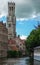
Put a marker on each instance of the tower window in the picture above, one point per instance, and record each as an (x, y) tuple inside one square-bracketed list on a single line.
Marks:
[(10, 8), (14, 3), (9, 25)]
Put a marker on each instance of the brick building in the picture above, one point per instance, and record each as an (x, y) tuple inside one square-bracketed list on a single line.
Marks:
[(3, 40), (16, 44)]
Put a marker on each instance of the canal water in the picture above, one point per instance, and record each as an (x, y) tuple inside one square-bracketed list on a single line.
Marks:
[(19, 61)]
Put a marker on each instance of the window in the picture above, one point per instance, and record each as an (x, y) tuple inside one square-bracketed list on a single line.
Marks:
[(14, 3), (9, 25), (20, 44), (17, 46), (10, 8)]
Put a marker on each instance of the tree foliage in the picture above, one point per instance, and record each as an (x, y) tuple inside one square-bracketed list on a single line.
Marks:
[(14, 54), (33, 39)]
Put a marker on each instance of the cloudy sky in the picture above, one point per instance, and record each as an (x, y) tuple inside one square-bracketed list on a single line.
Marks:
[(24, 8), (27, 13)]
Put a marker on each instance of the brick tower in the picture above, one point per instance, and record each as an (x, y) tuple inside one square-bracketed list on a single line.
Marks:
[(11, 20)]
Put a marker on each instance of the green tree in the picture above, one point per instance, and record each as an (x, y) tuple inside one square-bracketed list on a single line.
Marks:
[(12, 54), (33, 41)]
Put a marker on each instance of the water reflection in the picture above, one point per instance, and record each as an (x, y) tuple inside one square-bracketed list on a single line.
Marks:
[(20, 61), (30, 61)]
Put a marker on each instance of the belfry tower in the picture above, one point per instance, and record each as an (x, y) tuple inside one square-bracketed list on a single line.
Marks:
[(11, 20)]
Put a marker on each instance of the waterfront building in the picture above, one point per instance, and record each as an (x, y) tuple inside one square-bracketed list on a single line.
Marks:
[(16, 45), (11, 20), (3, 40), (14, 42), (12, 45), (20, 44)]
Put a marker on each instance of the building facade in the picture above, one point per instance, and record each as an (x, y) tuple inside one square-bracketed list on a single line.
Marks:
[(3, 40), (14, 42), (20, 44), (11, 20), (12, 45), (16, 45)]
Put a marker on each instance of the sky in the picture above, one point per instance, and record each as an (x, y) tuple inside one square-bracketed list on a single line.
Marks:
[(27, 15)]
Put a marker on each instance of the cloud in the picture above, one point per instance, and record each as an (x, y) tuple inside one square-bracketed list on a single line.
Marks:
[(23, 37), (36, 4), (23, 8), (21, 19), (3, 14)]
